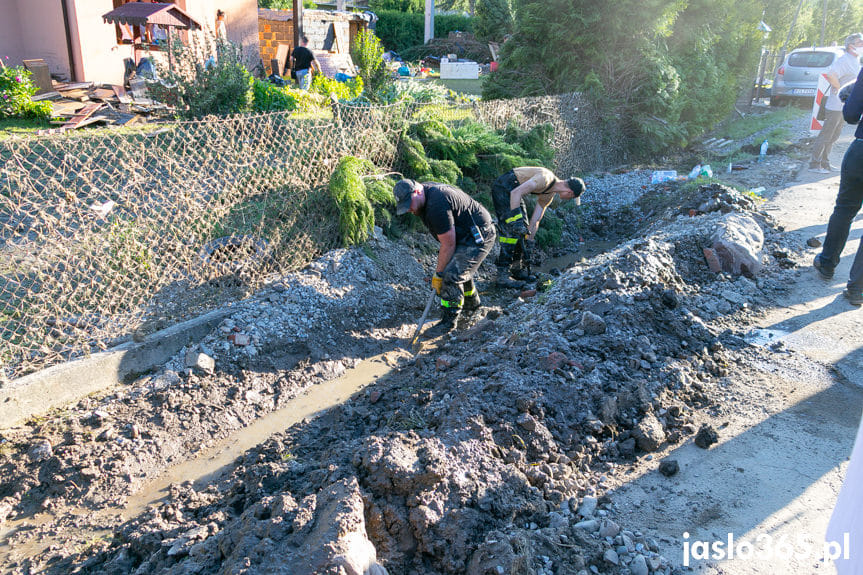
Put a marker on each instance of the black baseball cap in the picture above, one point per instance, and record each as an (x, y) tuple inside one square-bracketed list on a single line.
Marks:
[(403, 190)]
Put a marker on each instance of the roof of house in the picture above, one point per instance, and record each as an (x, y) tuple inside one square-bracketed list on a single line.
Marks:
[(142, 13)]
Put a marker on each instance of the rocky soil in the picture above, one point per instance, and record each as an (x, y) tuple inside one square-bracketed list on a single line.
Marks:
[(492, 451)]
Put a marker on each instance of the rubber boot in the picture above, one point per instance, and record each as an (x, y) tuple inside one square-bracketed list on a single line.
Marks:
[(522, 274), (503, 279), (471, 303), (449, 317)]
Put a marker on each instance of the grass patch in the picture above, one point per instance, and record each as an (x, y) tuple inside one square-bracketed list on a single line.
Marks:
[(742, 128), (462, 86), (21, 126)]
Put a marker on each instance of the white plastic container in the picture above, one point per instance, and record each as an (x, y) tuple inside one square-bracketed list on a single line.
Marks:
[(458, 69)]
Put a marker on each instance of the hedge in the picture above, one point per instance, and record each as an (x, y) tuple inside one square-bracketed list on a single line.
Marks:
[(400, 30)]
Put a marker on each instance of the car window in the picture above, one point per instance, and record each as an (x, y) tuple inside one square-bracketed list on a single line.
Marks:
[(811, 59)]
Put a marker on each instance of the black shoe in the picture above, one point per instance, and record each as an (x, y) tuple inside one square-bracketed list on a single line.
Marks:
[(443, 327), (823, 271), (522, 274), (504, 280), (854, 297)]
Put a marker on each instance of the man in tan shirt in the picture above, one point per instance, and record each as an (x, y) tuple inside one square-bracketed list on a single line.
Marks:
[(508, 193)]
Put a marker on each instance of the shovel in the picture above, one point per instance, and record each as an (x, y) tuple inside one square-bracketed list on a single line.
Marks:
[(421, 322)]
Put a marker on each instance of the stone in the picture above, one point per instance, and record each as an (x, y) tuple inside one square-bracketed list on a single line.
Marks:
[(6, 509), (737, 244), (639, 566), (445, 362), (592, 324), (669, 467), (610, 556), (40, 451), (554, 360), (706, 437), (813, 242), (239, 339), (649, 434), (200, 361), (374, 396), (608, 528), (557, 520), (587, 507), (589, 525)]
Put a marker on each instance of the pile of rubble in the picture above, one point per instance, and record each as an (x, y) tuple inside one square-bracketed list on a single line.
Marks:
[(488, 453)]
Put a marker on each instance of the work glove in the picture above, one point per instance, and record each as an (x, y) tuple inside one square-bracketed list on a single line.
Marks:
[(437, 283)]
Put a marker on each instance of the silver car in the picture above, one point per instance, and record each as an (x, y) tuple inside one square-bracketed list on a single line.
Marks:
[(797, 78)]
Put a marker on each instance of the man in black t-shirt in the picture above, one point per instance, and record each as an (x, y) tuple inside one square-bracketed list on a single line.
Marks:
[(466, 234), (302, 63)]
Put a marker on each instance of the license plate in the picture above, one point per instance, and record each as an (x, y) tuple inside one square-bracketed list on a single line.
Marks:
[(803, 91)]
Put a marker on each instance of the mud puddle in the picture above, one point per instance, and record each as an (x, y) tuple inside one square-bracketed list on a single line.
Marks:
[(586, 250), (208, 466)]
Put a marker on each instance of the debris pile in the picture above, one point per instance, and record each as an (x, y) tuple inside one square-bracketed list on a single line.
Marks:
[(489, 453)]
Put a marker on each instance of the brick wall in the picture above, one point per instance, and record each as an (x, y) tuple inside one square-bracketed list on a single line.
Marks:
[(271, 34)]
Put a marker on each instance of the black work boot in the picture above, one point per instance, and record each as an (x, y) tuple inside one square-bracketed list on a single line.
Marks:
[(446, 324), (503, 279), (471, 303), (522, 274)]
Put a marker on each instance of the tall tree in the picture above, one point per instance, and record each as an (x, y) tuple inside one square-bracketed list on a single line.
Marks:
[(664, 79), (493, 20)]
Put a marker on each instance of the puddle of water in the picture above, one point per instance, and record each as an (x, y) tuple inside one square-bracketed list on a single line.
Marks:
[(764, 337), (585, 250), (210, 462)]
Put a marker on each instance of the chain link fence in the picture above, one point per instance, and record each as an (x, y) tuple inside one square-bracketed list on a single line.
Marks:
[(109, 236)]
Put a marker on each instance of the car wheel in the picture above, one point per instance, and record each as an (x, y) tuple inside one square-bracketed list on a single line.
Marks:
[(774, 101)]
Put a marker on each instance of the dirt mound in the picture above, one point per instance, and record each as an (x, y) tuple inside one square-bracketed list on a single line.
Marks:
[(488, 453)]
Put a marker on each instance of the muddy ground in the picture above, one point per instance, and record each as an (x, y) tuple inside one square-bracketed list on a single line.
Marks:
[(498, 450)]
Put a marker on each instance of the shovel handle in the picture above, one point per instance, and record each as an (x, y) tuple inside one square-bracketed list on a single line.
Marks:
[(422, 319)]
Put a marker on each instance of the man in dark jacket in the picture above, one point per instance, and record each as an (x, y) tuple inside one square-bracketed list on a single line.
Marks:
[(848, 202), (466, 234)]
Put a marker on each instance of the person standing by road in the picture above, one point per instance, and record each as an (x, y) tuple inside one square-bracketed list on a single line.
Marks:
[(302, 63), (848, 203), (466, 234), (516, 232), (843, 70)]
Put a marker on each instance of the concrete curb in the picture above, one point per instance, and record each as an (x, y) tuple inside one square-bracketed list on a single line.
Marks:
[(62, 384)]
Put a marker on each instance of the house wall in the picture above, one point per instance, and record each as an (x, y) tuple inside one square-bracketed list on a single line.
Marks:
[(10, 33), (241, 23), (101, 56), (35, 29), (31, 29)]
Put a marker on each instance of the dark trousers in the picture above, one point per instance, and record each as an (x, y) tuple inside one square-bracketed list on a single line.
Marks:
[(848, 203), (458, 273), (511, 242)]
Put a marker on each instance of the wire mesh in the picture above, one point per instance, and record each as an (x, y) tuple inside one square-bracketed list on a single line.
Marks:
[(109, 235)]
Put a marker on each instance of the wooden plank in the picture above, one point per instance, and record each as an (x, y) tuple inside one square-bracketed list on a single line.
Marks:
[(46, 96), (333, 63), (40, 75), (101, 94), (282, 53), (75, 86), (82, 115)]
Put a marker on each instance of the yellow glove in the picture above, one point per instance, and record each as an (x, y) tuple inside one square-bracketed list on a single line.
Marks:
[(437, 283)]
